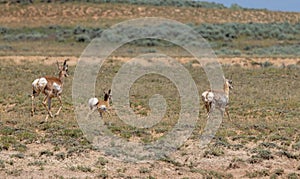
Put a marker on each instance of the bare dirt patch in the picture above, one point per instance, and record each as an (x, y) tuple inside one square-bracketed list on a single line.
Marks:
[(245, 62)]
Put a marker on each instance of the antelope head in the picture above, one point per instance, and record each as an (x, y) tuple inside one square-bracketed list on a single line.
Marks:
[(63, 70), (229, 83)]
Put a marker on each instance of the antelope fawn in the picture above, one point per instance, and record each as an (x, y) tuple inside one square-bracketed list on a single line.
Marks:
[(101, 105), (51, 87), (219, 99)]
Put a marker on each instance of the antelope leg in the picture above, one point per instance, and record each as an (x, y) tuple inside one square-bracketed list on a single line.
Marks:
[(226, 110), (45, 105), (61, 105), (32, 105)]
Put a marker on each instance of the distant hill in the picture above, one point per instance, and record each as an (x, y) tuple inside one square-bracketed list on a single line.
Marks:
[(106, 14), (176, 3)]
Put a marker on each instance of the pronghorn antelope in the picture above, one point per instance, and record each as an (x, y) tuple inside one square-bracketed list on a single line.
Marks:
[(101, 105), (51, 87), (219, 99)]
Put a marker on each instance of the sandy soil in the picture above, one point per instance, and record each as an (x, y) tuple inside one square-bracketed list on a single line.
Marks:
[(248, 62), (188, 161)]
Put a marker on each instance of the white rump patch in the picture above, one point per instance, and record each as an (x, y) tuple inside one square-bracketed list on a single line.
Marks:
[(57, 87), (39, 84), (208, 96), (204, 94), (93, 103)]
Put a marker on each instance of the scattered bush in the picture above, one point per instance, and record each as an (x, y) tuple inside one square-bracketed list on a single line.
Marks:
[(268, 145), (60, 156), (144, 170), (176, 3), (278, 172), (25, 36), (265, 154), (288, 155), (293, 176), (46, 152), (82, 38), (3, 30), (213, 152), (267, 64), (258, 174), (296, 146), (18, 155), (37, 163), (222, 37), (83, 168), (2, 164), (257, 31), (101, 161), (261, 154)]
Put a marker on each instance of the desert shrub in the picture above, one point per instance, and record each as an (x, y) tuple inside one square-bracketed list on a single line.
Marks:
[(37, 163), (293, 176), (23, 2), (101, 161), (25, 36), (257, 174), (82, 38), (46, 153), (296, 146), (258, 31), (2, 164), (3, 30), (267, 64), (293, 67), (60, 38), (262, 154), (216, 151), (286, 50), (176, 3), (288, 154), (79, 30), (5, 47), (60, 156), (227, 51), (84, 168), (278, 171), (236, 7), (7, 141), (268, 145), (18, 155)]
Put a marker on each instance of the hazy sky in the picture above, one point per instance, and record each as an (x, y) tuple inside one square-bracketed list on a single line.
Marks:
[(281, 5)]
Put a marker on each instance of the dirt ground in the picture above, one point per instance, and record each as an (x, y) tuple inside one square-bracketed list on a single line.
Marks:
[(187, 162), (248, 62), (191, 165)]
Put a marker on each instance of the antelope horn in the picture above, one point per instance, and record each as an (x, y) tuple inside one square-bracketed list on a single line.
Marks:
[(65, 62)]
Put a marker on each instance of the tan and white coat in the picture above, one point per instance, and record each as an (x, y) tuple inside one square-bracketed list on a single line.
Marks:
[(51, 87)]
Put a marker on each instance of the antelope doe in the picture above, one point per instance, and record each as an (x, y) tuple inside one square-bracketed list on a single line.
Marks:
[(51, 87), (101, 105), (219, 99)]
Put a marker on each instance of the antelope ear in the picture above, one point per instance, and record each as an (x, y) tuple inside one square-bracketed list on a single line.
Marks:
[(109, 91), (65, 62), (58, 66)]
